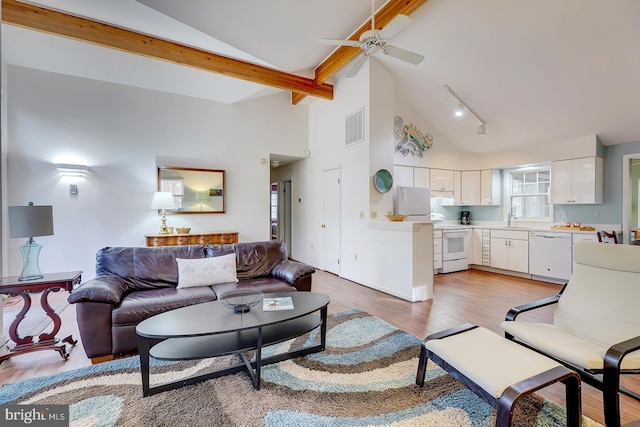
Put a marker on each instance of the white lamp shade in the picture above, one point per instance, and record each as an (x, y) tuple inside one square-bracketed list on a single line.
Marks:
[(30, 221), (163, 200)]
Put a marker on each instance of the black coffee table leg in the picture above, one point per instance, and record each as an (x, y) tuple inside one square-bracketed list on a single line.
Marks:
[(143, 350), (323, 329), (256, 383)]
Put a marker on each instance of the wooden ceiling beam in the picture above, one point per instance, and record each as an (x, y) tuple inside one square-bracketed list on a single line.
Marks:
[(62, 24), (344, 54)]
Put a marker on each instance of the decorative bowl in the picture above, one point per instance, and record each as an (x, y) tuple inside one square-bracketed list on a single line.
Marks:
[(241, 301), (183, 230), (397, 218)]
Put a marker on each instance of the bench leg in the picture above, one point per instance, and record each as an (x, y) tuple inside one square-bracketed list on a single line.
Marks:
[(422, 363), (422, 366), (573, 399), (570, 379), (611, 400)]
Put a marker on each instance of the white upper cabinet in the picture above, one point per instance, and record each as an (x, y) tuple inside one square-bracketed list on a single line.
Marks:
[(403, 176), (481, 187), (577, 181), (490, 185), (470, 191), (421, 177), (451, 198), (441, 180)]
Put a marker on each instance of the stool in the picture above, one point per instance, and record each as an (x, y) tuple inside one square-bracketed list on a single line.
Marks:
[(497, 370)]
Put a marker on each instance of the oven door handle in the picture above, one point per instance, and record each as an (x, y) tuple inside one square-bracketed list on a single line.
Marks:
[(455, 234)]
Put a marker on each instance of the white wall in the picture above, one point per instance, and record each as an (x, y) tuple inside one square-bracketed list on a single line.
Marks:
[(122, 134), (443, 154)]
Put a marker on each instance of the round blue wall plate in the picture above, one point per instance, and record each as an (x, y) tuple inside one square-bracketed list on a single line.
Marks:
[(383, 181)]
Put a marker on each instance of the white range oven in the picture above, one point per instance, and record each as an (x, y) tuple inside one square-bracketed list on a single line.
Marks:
[(455, 246)]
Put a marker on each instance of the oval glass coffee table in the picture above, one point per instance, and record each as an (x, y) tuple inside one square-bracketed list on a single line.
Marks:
[(210, 329)]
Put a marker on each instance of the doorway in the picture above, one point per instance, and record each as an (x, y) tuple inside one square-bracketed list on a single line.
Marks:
[(331, 220), (287, 217), (280, 212), (274, 211), (630, 195)]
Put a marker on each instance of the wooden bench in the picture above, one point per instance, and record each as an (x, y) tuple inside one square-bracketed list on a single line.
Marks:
[(497, 370)]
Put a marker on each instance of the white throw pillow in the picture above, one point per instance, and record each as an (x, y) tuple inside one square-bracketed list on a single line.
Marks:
[(206, 271)]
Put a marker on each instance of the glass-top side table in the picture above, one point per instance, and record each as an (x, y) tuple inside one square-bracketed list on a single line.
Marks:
[(52, 282)]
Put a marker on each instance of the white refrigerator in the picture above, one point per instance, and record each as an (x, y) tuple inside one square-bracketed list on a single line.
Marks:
[(414, 202)]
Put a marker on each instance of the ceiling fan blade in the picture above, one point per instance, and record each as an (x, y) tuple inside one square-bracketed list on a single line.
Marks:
[(357, 65), (402, 54), (396, 25), (339, 42)]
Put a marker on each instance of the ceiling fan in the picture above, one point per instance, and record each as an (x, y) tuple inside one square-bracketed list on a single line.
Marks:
[(374, 40)]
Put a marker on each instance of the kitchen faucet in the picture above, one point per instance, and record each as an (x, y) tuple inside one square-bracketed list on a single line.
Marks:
[(509, 218)]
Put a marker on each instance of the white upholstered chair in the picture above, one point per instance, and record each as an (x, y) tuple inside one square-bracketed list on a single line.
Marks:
[(596, 324)]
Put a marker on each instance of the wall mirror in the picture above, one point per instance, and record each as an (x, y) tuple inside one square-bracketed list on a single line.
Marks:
[(195, 191)]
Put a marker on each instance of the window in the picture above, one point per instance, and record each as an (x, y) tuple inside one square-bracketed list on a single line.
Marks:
[(527, 193), (175, 187)]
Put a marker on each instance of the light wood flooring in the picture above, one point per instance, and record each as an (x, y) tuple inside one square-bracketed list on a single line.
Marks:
[(470, 296)]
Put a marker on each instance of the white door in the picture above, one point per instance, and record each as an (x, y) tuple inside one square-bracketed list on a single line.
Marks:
[(286, 227), (331, 221)]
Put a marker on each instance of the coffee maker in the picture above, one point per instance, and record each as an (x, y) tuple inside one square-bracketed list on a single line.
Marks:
[(465, 217)]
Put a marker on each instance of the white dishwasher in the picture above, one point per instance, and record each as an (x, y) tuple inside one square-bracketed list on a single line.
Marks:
[(550, 256)]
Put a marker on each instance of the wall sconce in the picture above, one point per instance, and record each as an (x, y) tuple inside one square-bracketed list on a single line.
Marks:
[(68, 169), (459, 111)]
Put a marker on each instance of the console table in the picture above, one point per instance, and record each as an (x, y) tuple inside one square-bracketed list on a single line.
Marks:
[(52, 282), (212, 238)]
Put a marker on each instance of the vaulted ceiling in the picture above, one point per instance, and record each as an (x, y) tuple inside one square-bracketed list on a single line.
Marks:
[(535, 71)]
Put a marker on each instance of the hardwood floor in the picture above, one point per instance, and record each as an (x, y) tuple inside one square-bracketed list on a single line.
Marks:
[(470, 296)]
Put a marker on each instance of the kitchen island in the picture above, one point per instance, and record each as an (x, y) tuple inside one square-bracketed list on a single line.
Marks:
[(402, 263)]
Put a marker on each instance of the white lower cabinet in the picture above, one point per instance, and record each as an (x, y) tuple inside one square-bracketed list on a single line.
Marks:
[(510, 250), (437, 250), (475, 246)]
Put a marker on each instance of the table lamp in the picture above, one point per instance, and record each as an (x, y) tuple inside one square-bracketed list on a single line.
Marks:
[(30, 221), (163, 200), (202, 197)]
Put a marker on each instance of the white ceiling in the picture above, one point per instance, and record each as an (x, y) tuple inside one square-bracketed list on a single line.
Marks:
[(537, 72)]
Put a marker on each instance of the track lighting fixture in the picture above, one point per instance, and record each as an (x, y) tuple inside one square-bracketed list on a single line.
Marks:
[(482, 130)]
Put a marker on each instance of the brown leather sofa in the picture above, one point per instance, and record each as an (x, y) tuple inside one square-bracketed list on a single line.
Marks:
[(135, 283)]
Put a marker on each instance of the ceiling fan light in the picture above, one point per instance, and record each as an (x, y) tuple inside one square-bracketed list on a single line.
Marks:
[(482, 129), (459, 112)]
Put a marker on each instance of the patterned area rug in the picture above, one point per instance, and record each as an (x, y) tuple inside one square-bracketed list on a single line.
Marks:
[(366, 377)]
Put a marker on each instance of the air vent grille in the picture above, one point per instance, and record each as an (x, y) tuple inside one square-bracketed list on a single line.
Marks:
[(354, 127)]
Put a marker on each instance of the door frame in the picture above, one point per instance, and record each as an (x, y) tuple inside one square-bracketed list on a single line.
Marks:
[(626, 195)]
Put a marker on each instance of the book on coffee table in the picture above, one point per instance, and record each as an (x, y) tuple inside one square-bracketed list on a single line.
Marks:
[(275, 304)]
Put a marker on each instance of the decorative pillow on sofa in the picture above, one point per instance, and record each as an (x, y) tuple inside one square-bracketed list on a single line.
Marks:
[(206, 271)]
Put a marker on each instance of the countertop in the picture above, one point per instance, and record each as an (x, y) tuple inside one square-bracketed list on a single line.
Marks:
[(547, 227)]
